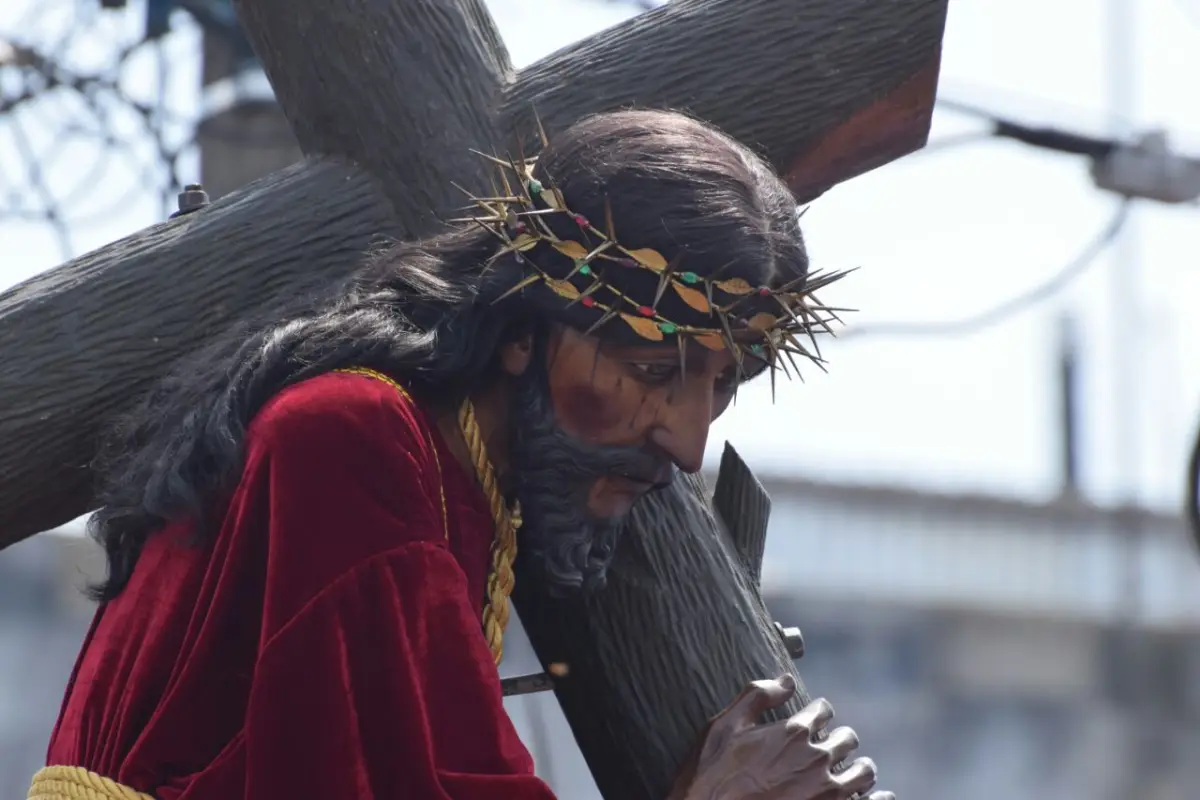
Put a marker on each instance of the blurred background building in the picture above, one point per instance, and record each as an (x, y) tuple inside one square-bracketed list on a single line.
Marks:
[(981, 647), (976, 516)]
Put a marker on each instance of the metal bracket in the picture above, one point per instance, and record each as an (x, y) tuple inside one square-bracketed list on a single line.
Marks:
[(793, 640), (527, 684)]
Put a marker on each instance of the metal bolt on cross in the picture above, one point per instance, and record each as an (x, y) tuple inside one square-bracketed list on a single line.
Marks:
[(192, 198)]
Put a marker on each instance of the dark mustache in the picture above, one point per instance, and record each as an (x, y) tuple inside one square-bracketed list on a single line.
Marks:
[(660, 477), (547, 447), (553, 473), (588, 461)]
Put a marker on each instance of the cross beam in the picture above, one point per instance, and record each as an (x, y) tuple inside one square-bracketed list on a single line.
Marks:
[(386, 97)]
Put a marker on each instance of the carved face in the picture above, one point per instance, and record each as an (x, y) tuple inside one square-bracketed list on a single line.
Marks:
[(637, 397), (594, 428)]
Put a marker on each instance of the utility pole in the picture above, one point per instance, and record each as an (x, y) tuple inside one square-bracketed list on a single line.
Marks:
[(1124, 283), (1068, 408), (1124, 313)]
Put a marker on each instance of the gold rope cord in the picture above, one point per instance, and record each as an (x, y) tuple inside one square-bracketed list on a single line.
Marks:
[(77, 783), (504, 547)]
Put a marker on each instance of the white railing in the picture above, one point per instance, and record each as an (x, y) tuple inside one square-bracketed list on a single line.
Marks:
[(1056, 559)]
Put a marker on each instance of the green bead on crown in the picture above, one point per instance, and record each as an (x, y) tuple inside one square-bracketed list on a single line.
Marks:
[(519, 219)]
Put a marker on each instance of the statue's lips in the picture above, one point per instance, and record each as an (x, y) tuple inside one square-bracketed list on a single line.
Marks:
[(641, 484)]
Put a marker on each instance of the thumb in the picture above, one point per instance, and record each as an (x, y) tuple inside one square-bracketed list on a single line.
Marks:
[(760, 697)]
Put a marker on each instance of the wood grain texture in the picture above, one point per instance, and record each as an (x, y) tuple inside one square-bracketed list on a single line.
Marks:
[(79, 341), (403, 89), (783, 77), (744, 508), (893, 126)]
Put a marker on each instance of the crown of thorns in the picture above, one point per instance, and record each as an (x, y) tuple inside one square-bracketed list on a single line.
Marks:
[(760, 322)]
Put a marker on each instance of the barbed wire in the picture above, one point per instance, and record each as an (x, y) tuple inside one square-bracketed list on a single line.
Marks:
[(86, 111), (85, 105)]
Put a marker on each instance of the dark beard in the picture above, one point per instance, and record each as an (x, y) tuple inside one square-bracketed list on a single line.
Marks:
[(553, 473)]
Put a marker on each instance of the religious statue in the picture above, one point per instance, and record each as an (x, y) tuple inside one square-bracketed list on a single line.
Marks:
[(312, 528)]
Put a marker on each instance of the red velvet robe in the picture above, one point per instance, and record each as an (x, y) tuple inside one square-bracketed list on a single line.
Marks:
[(328, 644)]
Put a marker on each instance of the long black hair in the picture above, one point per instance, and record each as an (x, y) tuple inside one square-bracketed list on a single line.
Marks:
[(427, 314)]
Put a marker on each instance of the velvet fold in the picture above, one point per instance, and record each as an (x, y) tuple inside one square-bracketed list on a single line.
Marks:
[(327, 643)]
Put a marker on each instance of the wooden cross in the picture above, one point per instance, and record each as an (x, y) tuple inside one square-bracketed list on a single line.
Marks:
[(386, 98)]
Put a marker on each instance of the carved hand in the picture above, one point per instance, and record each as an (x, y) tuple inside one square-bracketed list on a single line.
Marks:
[(739, 759)]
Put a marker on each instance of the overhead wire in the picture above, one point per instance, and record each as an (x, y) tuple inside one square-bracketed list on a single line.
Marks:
[(1094, 148), (43, 72), (1042, 137), (1009, 307)]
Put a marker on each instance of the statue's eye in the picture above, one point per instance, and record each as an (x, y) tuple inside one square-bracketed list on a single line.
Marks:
[(655, 371)]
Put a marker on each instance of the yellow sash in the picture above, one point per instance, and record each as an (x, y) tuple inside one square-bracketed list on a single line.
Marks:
[(76, 783)]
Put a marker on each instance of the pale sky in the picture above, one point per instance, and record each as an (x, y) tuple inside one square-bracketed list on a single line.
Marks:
[(938, 236)]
